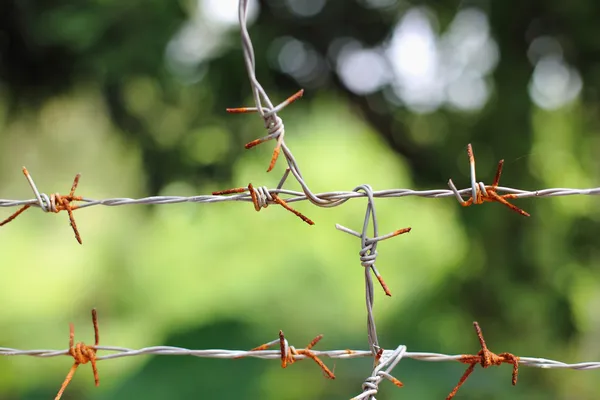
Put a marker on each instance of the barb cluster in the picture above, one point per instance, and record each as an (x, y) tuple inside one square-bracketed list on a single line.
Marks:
[(261, 197), (486, 359), (54, 203)]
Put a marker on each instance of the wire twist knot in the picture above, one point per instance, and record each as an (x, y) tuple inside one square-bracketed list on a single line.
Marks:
[(370, 386), (368, 254)]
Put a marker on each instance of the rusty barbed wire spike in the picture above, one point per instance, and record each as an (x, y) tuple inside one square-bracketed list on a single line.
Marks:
[(289, 353), (229, 191), (279, 107), (261, 197), (82, 354), (53, 203), (64, 203), (273, 124), (485, 358), (282, 346), (481, 193), (15, 215), (297, 213), (308, 353)]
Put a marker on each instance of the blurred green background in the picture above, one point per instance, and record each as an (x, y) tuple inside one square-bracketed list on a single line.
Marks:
[(132, 95)]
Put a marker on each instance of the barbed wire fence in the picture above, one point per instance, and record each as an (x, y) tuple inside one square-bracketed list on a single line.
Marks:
[(384, 360)]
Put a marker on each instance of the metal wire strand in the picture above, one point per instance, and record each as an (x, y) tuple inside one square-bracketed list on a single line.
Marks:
[(371, 385), (368, 254), (120, 352), (295, 196)]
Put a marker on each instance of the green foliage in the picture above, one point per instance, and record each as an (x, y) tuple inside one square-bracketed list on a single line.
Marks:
[(87, 88)]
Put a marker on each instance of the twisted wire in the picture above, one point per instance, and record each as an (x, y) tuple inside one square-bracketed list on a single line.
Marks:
[(295, 196), (120, 352)]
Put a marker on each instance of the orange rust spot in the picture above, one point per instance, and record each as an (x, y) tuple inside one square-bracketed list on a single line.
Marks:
[(253, 143), (229, 191), (294, 97), (261, 347), (314, 342), (274, 157), (239, 110), (282, 346), (378, 355), (254, 197), (401, 231), (385, 287), (285, 205), (15, 215), (396, 382)]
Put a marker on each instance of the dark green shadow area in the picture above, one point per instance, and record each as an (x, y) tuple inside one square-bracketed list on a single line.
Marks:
[(177, 377)]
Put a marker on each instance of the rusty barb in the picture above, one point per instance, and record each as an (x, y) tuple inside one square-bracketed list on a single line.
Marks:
[(262, 197), (486, 359), (273, 124), (82, 354), (481, 193), (289, 353), (54, 203)]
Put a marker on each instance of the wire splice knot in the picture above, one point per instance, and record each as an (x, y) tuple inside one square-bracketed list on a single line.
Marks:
[(486, 359), (82, 354), (371, 385), (261, 197), (481, 193), (54, 203)]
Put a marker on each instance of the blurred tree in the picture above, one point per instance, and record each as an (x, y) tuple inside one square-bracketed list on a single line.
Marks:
[(47, 48)]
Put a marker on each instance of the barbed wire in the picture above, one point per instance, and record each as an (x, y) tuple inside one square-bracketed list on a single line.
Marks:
[(288, 354), (262, 197)]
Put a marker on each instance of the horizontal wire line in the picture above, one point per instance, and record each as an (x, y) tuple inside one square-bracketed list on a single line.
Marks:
[(297, 196), (120, 352)]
